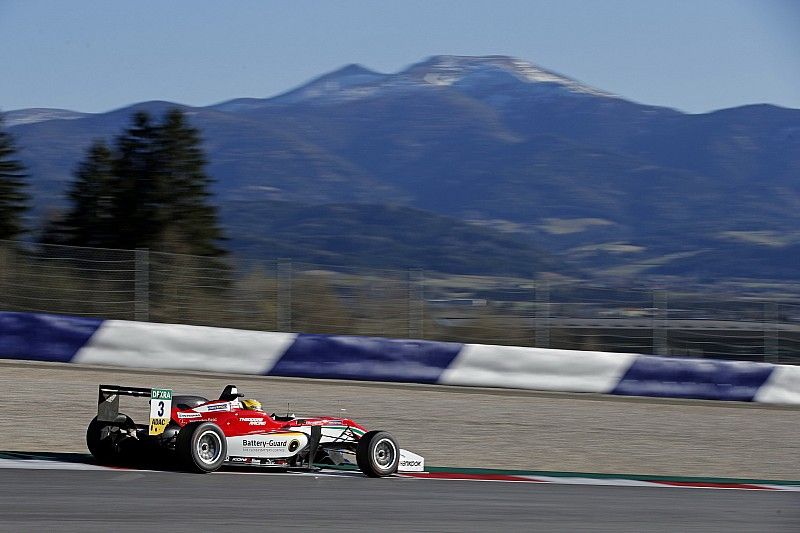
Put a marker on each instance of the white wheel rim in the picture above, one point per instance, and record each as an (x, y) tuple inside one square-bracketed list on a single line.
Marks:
[(209, 447), (384, 454)]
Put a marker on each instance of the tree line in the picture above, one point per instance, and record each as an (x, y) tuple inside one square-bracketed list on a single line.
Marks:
[(147, 189)]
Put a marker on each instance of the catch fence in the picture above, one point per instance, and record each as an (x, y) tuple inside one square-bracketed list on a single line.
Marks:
[(283, 295)]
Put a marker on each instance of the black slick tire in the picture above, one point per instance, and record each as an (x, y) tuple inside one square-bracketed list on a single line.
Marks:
[(201, 447), (377, 454), (103, 449)]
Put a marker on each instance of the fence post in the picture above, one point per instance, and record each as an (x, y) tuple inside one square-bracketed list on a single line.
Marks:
[(416, 304), (771, 334), (284, 299), (141, 305), (660, 324), (542, 316), (5, 274)]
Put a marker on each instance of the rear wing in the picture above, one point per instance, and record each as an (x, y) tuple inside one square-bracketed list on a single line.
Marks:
[(160, 404)]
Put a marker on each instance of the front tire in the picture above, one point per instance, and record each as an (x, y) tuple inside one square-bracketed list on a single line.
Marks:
[(377, 454), (201, 447)]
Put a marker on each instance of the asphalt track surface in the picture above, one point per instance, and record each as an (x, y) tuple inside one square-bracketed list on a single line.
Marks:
[(88, 501)]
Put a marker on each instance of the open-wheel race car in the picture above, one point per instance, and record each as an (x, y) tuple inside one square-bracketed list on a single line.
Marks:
[(201, 435)]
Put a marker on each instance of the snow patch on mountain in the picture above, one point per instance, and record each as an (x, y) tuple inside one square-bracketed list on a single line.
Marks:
[(460, 72), (450, 69), (34, 115), (350, 82)]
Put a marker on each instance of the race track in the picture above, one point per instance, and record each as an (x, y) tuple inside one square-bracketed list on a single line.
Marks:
[(47, 406), (88, 501)]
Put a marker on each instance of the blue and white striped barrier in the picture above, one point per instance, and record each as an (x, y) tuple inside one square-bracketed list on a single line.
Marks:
[(175, 346)]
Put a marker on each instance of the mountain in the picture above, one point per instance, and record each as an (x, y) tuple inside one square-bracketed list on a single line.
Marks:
[(612, 186), (480, 74), (381, 236)]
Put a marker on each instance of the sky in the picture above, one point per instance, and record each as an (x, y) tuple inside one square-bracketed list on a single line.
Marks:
[(99, 55)]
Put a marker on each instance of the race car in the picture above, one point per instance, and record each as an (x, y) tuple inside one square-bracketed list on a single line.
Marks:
[(201, 435)]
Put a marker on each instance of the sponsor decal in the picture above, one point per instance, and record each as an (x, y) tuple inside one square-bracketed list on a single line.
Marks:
[(161, 394), (254, 421), (257, 461), (267, 445), (189, 415), (218, 407), (410, 462), (160, 410), (271, 443)]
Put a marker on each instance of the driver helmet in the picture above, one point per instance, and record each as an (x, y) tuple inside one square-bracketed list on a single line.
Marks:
[(252, 405)]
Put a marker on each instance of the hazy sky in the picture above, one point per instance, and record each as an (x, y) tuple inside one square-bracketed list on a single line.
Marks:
[(97, 55)]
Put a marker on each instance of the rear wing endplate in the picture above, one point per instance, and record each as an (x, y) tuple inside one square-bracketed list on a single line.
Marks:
[(108, 400)]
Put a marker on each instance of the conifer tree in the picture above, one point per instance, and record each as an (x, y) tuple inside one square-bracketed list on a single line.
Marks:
[(90, 220), (13, 199), (186, 213), (136, 200), (150, 191)]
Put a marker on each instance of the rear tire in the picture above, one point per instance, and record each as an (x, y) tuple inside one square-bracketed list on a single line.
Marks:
[(377, 454), (201, 447), (102, 447)]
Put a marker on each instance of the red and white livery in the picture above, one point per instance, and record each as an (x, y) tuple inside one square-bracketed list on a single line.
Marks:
[(202, 435)]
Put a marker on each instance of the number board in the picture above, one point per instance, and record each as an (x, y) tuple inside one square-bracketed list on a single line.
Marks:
[(160, 410)]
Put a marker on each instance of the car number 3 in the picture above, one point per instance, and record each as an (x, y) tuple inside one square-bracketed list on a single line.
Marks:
[(160, 408)]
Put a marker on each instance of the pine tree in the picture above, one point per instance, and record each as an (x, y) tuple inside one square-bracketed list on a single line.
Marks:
[(90, 220), (151, 191), (13, 199), (185, 212), (136, 208)]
